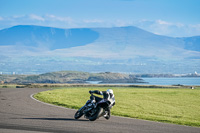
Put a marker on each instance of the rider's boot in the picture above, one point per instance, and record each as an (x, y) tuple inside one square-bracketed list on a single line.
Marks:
[(107, 114)]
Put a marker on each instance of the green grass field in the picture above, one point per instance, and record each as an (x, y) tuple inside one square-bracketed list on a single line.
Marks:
[(178, 106)]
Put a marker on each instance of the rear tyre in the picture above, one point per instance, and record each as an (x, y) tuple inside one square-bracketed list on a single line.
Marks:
[(98, 113)]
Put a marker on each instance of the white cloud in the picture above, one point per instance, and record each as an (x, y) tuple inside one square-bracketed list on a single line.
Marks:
[(196, 27), (179, 25), (120, 23), (36, 17), (58, 18), (17, 16), (33, 19), (162, 27), (161, 22)]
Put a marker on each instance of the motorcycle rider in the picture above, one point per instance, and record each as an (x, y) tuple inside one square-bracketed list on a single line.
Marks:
[(107, 95)]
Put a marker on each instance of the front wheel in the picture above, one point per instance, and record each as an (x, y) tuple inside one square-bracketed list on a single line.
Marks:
[(78, 114)]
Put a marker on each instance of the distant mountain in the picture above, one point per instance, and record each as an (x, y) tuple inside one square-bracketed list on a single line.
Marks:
[(192, 43), (38, 49), (48, 37)]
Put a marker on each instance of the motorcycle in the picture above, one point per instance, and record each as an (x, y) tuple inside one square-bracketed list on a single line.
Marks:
[(93, 110)]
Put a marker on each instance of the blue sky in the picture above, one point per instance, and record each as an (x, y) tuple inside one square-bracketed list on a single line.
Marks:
[(177, 18)]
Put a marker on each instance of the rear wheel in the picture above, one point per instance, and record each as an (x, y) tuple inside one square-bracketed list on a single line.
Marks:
[(97, 114)]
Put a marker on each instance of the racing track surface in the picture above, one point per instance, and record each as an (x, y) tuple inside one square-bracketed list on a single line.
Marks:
[(19, 113)]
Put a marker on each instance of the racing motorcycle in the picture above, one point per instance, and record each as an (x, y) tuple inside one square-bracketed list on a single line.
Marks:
[(93, 110)]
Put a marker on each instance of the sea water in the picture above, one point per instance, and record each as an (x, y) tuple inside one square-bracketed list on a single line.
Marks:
[(161, 81), (173, 81)]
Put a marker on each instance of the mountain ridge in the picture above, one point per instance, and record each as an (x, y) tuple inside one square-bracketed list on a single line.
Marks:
[(28, 32), (32, 35), (116, 49)]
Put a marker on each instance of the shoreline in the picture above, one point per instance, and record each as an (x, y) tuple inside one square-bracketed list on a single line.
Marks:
[(38, 85)]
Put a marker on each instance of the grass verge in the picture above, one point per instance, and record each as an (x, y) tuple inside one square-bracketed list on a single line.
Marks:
[(178, 106)]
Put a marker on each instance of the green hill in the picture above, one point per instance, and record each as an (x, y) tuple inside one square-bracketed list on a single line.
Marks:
[(71, 77)]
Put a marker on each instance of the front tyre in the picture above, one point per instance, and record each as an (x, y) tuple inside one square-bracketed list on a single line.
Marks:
[(98, 113), (78, 114)]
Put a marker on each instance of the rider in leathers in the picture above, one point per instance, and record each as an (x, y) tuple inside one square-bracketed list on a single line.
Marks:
[(108, 95)]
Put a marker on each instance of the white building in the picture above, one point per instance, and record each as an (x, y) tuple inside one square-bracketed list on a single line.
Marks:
[(195, 72)]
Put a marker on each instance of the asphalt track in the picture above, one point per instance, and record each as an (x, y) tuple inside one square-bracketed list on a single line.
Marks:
[(19, 113)]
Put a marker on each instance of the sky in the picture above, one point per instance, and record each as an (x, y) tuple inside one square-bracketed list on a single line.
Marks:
[(175, 18)]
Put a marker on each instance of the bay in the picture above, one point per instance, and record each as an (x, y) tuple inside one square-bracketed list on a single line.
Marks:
[(173, 81), (191, 81)]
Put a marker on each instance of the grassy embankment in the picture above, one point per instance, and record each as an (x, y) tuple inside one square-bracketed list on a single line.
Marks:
[(178, 106)]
